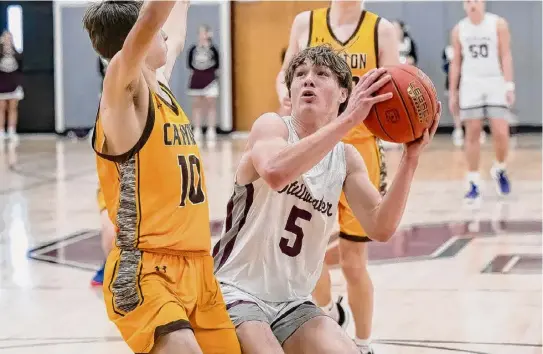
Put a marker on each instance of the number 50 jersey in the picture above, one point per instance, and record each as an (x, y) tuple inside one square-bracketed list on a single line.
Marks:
[(273, 242), (155, 193)]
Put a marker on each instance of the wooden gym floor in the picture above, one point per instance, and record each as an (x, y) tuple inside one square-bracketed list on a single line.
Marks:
[(451, 280)]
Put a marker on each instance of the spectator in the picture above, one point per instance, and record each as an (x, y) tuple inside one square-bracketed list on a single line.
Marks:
[(11, 91), (408, 49), (203, 60)]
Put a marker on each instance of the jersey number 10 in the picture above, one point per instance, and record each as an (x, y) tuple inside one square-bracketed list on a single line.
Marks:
[(189, 169)]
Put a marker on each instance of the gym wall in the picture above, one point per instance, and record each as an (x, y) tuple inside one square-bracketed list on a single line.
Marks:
[(261, 32)]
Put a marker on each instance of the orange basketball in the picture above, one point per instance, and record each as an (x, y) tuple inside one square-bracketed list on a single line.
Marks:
[(411, 110)]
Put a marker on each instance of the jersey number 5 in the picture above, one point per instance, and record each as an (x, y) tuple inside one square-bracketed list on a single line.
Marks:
[(192, 168), (296, 248)]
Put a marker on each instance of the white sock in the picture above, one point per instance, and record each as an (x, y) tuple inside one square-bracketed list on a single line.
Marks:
[(364, 344), (474, 177), (500, 166), (11, 130), (331, 310)]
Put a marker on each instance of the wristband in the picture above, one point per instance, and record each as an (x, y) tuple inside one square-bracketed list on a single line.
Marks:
[(510, 86)]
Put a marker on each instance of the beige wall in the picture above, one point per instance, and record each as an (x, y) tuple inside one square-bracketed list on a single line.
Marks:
[(260, 31)]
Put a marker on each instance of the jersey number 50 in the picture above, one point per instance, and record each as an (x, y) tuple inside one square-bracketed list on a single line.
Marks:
[(291, 226), (192, 168), (478, 50)]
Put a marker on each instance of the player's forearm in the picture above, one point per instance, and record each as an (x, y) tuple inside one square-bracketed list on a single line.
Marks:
[(176, 27), (296, 159), (507, 66), (392, 206), (280, 86), (454, 76)]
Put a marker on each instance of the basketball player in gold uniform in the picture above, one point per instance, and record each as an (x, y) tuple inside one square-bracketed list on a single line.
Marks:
[(366, 41), (159, 287)]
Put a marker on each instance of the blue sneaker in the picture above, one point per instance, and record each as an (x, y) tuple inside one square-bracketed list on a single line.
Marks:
[(473, 196), (503, 185), (98, 279)]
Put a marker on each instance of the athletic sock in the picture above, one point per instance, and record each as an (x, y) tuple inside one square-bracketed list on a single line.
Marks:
[(363, 344), (331, 310)]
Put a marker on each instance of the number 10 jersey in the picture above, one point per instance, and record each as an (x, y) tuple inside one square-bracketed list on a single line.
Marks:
[(273, 242), (155, 193)]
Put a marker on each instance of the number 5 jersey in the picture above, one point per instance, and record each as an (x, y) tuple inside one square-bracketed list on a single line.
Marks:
[(273, 242), (155, 193)]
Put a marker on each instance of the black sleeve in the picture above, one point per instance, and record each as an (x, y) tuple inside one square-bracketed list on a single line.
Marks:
[(189, 57), (413, 52), (216, 55)]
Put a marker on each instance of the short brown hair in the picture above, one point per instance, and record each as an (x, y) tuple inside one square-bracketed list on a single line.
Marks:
[(108, 24), (323, 55)]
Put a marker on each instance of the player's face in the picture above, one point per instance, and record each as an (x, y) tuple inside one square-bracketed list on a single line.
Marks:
[(474, 6), (316, 88), (158, 51)]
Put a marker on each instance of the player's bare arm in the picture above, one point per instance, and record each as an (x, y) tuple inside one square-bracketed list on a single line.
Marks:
[(175, 29), (124, 103), (381, 216), (506, 58), (270, 156), (454, 70), (389, 52), (299, 34)]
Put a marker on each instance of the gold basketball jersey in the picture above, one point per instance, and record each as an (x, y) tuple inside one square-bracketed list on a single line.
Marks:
[(155, 193), (360, 51)]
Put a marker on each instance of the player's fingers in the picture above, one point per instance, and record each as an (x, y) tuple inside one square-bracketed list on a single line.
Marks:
[(377, 84), (379, 98), (370, 77)]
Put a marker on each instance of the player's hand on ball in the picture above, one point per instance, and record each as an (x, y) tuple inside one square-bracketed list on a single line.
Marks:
[(362, 98), (414, 148)]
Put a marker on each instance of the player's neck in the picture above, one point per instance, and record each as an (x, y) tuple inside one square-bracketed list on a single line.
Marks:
[(477, 18), (307, 123), (342, 12)]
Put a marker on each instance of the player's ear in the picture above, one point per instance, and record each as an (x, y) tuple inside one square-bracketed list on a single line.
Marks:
[(344, 94)]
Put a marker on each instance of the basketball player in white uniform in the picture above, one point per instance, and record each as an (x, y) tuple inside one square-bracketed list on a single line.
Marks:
[(349, 27), (284, 205), (482, 57)]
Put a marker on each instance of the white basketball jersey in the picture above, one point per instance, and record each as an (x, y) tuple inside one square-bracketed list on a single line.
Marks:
[(273, 243), (480, 54)]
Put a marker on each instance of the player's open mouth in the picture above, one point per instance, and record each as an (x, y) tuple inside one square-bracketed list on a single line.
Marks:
[(308, 93)]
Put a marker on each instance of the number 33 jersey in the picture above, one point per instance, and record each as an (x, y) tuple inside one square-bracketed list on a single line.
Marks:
[(273, 242), (155, 193)]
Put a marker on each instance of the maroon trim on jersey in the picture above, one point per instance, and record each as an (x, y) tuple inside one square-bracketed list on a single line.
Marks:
[(229, 247)]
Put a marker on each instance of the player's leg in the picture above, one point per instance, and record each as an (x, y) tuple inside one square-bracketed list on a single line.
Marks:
[(3, 107), (500, 136), (142, 300), (471, 102), (257, 337), (196, 121), (305, 329), (210, 320), (472, 148), (172, 342), (13, 115), (211, 107)]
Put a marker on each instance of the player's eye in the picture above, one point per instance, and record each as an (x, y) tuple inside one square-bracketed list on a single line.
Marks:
[(322, 73)]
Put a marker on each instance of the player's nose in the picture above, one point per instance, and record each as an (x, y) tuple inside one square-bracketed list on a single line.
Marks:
[(309, 81)]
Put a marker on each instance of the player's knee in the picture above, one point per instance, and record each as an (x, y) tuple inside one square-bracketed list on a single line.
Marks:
[(183, 338), (354, 265)]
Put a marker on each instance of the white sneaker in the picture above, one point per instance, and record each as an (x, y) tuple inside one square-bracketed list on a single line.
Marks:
[(364, 349), (3, 135), (211, 134), (458, 137), (13, 137), (197, 132)]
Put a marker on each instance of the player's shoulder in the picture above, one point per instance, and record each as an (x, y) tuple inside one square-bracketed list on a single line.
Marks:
[(385, 26), (302, 20), (270, 124)]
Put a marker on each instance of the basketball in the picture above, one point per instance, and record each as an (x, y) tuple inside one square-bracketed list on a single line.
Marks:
[(410, 111)]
